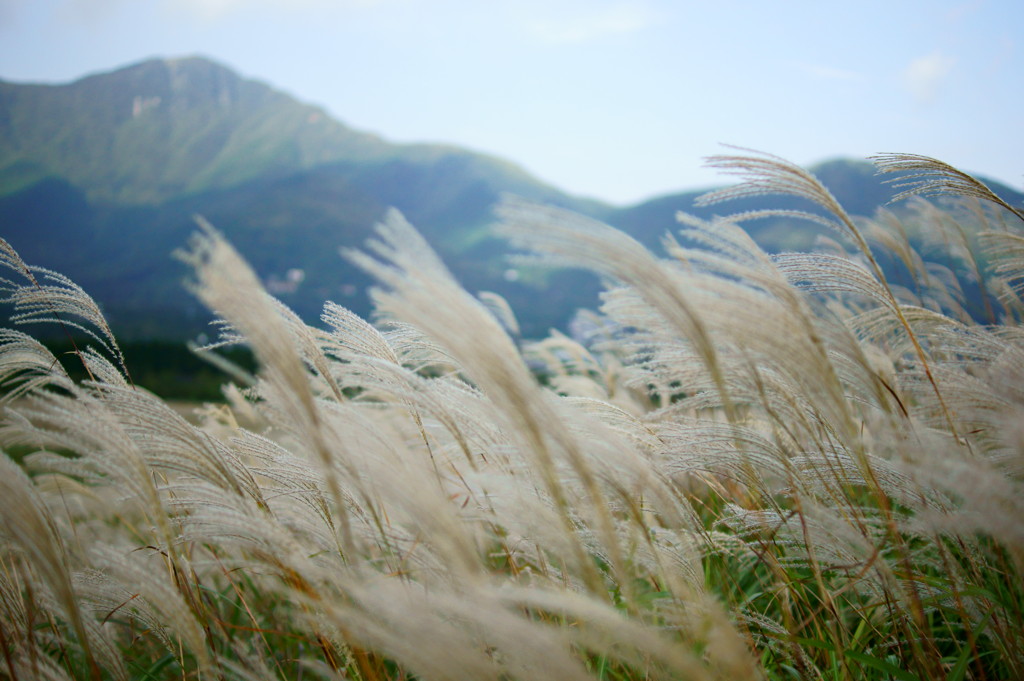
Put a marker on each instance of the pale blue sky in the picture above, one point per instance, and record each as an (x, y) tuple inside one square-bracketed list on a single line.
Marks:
[(616, 99)]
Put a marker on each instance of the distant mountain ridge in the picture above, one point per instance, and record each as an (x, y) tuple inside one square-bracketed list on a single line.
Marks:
[(100, 178), (118, 163), (170, 127)]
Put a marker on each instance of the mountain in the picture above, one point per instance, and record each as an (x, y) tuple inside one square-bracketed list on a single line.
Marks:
[(163, 128), (854, 183), (100, 180)]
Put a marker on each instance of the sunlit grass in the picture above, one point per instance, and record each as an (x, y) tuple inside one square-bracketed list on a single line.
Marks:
[(744, 467)]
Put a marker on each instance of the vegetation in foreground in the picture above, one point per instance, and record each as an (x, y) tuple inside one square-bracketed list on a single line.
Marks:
[(747, 466)]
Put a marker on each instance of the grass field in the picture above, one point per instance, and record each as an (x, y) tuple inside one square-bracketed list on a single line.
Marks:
[(742, 467)]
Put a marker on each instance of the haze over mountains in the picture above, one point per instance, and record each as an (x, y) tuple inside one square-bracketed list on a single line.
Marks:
[(100, 180)]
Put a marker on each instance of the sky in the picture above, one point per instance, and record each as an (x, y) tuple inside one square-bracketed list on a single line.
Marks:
[(619, 100)]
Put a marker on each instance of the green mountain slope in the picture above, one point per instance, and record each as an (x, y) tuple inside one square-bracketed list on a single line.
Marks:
[(162, 128), (100, 180)]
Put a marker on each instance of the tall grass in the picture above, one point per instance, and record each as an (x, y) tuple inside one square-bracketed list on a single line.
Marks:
[(748, 466)]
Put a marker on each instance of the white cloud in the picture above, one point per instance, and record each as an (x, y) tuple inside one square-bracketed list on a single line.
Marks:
[(590, 23), (924, 76)]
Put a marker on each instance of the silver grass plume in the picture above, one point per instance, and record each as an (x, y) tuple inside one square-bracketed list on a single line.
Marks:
[(767, 174), (423, 292), (230, 288), (26, 365), (579, 241), (28, 525), (48, 297), (1006, 251), (926, 176)]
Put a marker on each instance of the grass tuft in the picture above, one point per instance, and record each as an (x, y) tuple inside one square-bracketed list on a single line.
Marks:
[(743, 467)]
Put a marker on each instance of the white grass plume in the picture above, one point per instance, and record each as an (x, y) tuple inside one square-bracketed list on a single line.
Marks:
[(926, 176), (408, 499), (44, 296)]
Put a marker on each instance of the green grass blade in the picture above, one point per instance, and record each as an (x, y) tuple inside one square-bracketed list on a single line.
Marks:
[(882, 666)]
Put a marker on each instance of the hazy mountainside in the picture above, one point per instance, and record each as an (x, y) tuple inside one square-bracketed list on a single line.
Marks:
[(159, 129), (100, 180), (854, 183), (163, 129)]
